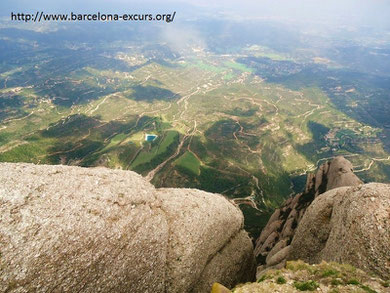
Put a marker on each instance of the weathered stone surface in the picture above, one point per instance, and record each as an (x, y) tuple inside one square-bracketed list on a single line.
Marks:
[(279, 256), (71, 229), (279, 246), (272, 228), (275, 216), (269, 243), (227, 263), (289, 228), (197, 220), (335, 173), (284, 221), (347, 225), (340, 174)]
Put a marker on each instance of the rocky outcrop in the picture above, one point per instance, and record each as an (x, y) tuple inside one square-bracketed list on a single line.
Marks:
[(335, 173), (348, 225), (71, 229), (272, 246)]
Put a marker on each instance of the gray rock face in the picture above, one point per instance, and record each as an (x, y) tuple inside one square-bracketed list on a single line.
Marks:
[(282, 225), (71, 229), (347, 225), (332, 174)]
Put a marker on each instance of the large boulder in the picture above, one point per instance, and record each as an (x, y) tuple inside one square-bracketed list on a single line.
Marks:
[(282, 225), (335, 173), (347, 225), (71, 229)]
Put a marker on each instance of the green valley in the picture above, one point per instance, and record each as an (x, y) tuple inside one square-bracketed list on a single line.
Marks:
[(248, 123)]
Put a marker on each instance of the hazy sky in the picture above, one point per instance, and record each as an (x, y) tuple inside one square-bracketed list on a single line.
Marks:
[(362, 12)]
